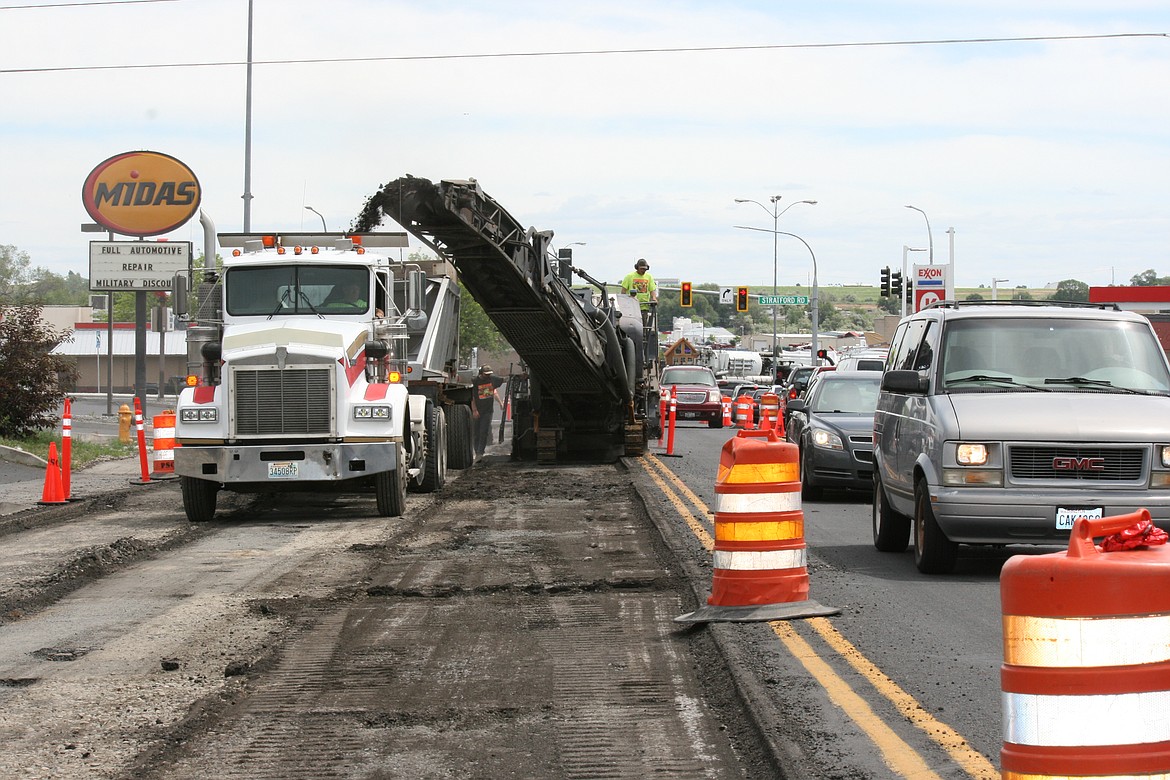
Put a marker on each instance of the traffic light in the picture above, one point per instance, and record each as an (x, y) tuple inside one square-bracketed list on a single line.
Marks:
[(684, 294), (741, 299), (909, 292), (896, 284), (886, 282)]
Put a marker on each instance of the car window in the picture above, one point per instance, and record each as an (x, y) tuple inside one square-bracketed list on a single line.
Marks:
[(687, 376), (908, 348), (845, 395)]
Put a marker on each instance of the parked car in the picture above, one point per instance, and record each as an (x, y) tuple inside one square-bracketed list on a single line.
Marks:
[(863, 360), (833, 426), (697, 395), (1004, 423)]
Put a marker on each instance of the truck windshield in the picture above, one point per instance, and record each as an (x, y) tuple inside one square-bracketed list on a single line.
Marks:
[(1077, 354), (297, 289)]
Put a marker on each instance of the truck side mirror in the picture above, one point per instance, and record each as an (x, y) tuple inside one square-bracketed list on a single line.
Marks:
[(179, 295), (416, 290)]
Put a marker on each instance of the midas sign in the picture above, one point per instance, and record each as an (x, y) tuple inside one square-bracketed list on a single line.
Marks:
[(141, 193)]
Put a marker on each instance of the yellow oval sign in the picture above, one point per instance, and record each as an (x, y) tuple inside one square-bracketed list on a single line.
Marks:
[(141, 193)]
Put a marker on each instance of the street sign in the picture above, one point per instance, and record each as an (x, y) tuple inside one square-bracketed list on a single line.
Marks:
[(124, 266), (726, 296), (783, 300)]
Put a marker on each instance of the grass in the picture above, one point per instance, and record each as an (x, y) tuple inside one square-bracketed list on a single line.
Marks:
[(82, 452)]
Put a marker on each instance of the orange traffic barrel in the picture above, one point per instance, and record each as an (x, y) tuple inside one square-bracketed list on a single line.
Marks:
[(744, 407), (769, 410), (1086, 647), (760, 559), (163, 445)]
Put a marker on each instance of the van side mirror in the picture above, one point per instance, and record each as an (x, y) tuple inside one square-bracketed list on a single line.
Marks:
[(905, 382)]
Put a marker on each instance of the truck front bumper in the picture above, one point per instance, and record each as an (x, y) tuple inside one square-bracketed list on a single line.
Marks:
[(285, 463)]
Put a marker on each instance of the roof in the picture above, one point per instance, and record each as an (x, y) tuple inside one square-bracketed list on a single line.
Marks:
[(96, 342)]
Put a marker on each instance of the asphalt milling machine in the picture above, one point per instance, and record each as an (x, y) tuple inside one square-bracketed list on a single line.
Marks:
[(591, 392)]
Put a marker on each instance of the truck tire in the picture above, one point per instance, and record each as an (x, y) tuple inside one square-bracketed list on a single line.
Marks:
[(459, 440), (390, 488), (198, 499), (435, 468), (934, 553), (891, 530)]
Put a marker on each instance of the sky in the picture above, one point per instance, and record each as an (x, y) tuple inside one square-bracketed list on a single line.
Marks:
[(627, 128)]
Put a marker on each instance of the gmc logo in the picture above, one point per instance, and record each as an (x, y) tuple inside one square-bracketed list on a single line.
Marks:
[(1078, 464)]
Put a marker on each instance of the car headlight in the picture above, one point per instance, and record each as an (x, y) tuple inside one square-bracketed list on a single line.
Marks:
[(1164, 451), (713, 396), (198, 414), (371, 413), (975, 454), (826, 439)]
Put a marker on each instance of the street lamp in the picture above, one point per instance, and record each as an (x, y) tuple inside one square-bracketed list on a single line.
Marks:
[(906, 279), (775, 201), (929, 235), (995, 287), (318, 213)]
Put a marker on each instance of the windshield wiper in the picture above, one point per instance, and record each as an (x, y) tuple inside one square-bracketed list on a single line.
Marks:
[(1081, 381), (1006, 380), (284, 300), (309, 303)]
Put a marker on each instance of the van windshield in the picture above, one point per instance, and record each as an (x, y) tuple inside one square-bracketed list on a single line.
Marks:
[(990, 354)]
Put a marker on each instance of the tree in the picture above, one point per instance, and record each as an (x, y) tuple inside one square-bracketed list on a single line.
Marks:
[(32, 380), (16, 276), (1148, 278), (974, 296), (1071, 290)]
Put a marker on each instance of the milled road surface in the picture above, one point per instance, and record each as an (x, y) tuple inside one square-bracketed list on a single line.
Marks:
[(516, 624)]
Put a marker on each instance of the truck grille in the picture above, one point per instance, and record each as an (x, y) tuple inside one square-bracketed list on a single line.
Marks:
[(1072, 463), (271, 402)]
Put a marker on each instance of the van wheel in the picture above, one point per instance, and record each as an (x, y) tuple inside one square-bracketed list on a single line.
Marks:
[(807, 489), (390, 488), (934, 553), (891, 530)]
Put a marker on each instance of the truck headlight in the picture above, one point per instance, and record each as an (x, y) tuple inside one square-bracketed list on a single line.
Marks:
[(199, 414), (371, 413)]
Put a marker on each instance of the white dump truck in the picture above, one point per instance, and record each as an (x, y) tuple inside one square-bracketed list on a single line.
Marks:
[(318, 362)]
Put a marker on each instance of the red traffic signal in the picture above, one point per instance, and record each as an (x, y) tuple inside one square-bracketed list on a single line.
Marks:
[(684, 295), (741, 299)]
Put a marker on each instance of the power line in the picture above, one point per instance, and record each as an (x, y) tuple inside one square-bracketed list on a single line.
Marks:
[(585, 52), (81, 3)]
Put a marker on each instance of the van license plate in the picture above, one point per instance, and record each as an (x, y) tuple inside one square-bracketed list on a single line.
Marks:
[(289, 470), (1065, 517)]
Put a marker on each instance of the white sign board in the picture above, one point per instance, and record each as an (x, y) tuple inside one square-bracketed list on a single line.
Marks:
[(726, 296), (136, 265), (930, 285)]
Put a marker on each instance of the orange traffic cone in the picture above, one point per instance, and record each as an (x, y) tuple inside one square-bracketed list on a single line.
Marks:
[(54, 492), (760, 558)]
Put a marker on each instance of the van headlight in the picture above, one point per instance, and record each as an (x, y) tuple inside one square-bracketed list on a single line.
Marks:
[(971, 455)]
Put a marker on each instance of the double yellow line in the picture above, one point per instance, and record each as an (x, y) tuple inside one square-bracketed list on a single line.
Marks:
[(898, 755)]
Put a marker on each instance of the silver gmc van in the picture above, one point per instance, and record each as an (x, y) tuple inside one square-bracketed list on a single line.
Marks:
[(1001, 423)]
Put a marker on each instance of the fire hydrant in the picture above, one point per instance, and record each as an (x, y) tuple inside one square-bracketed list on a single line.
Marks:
[(125, 417)]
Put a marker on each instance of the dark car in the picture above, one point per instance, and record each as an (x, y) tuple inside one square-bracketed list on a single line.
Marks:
[(833, 426), (697, 395)]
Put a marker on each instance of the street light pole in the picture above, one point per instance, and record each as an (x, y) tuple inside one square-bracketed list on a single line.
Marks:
[(906, 279), (995, 287), (929, 234), (318, 213), (775, 201)]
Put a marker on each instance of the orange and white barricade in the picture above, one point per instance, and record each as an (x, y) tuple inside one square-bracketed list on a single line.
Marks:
[(163, 445), (744, 406), (1086, 647), (760, 559), (770, 411)]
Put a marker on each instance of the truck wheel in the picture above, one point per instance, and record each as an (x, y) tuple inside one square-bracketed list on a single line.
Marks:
[(390, 488), (459, 440), (199, 499), (891, 530), (934, 553), (435, 469)]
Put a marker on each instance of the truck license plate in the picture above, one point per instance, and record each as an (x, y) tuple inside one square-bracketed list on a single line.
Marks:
[(289, 470), (1066, 517)]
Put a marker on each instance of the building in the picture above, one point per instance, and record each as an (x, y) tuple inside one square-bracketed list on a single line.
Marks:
[(99, 358)]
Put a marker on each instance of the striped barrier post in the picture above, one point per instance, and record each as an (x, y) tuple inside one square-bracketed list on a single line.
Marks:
[(1086, 645), (725, 402), (760, 559), (66, 447), (673, 419), (141, 431)]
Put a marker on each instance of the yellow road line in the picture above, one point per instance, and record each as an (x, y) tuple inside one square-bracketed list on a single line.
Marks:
[(896, 753), (972, 762)]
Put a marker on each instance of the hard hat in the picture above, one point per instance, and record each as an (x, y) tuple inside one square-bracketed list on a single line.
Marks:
[(485, 369), (642, 264)]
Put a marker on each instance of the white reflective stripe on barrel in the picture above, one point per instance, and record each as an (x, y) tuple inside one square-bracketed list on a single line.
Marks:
[(164, 454), (1083, 721), (756, 560), (164, 433), (1081, 642), (742, 503)]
